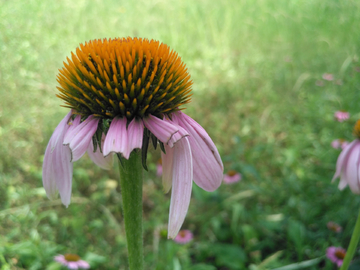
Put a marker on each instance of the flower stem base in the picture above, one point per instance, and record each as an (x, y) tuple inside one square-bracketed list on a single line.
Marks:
[(131, 178)]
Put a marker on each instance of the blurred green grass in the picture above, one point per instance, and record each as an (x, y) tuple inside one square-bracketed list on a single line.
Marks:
[(255, 65)]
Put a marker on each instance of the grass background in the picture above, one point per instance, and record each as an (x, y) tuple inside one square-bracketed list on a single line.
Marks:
[(256, 66)]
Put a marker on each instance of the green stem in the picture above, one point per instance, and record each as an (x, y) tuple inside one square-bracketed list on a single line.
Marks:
[(131, 178), (352, 246)]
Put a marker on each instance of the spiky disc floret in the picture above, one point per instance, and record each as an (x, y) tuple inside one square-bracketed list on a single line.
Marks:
[(125, 77)]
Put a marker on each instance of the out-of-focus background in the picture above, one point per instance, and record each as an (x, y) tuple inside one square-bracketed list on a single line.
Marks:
[(268, 77)]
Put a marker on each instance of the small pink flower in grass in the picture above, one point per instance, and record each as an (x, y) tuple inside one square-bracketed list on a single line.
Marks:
[(348, 164), (159, 168), (336, 255), (72, 261), (332, 226), (232, 176), (341, 116), (339, 143), (328, 76), (183, 237), (123, 94)]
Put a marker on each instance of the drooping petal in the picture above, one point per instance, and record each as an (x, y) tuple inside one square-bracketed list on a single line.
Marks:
[(167, 167), (63, 170), (72, 265), (163, 130), (135, 133), (59, 131), (117, 138), (208, 167), (342, 184), (98, 158), (351, 169), (57, 168), (73, 124), (342, 157), (178, 135), (80, 137), (83, 264), (181, 186)]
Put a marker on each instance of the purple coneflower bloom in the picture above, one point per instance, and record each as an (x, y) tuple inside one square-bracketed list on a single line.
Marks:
[(336, 255), (347, 165), (328, 76), (124, 93), (232, 176), (184, 236), (72, 261), (341, 116), (332, 226)]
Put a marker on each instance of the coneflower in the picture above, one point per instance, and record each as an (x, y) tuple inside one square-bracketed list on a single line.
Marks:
[(123, 94)]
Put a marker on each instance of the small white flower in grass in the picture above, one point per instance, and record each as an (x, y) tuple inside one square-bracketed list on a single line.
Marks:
[(348, 164), (72, 261), (124, 93)]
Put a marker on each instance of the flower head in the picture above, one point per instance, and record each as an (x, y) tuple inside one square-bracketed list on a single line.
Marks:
[(328, 76), (122, 94), (341, 116), (336, 255), (347, 165), (332, 226), (232, 176), (72, 261), (184, 237)]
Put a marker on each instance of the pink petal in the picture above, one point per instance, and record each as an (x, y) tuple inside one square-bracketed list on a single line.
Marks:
[(98, 158), (135, 133), (79, 138), (342, 157), (330, 253), (167, 167), (73, 124), (83, 264), (57, 168), (342, 184), (208, 167), (351, 168), (181, 186), (178, 135), (163, 130), (117, 138), (72, 265), (58, 131), (60, 259)]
